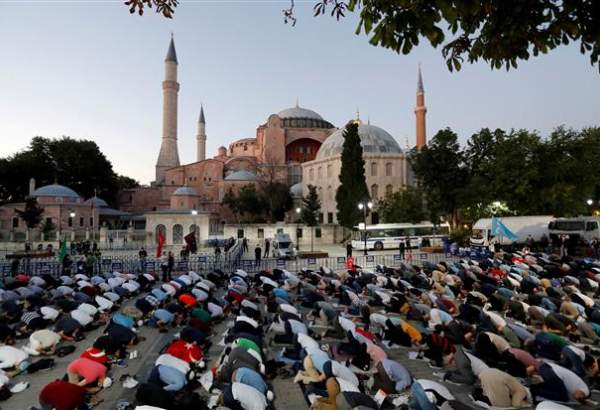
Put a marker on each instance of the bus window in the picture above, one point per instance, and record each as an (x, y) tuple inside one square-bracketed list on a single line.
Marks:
[(424, 230), (591, 226)]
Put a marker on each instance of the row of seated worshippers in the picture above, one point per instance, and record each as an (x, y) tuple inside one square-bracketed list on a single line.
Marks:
[(50, 314)]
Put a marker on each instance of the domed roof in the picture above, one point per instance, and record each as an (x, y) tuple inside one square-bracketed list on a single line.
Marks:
[(55, 190), (241, 175), (98, 202), (298, 112), (296, 190), (185, 191), (374, 140)]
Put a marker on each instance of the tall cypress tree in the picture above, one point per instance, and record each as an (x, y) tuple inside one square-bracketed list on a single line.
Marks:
[(353, 185)]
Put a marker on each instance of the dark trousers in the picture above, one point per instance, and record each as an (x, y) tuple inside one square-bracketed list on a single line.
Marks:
[(552, 388)]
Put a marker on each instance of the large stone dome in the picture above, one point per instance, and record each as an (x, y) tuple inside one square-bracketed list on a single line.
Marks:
[(298, 112), (374, 140), (55, 190), (241, 175), (98, 202)]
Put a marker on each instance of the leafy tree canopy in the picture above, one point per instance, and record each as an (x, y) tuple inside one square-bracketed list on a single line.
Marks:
[(78, 164), (32, 214), (311, 206), (406, 205), (500, 32)]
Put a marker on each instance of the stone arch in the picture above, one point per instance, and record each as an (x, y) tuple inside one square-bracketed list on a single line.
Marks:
[(374, 192), (162, 229), (177, 234)]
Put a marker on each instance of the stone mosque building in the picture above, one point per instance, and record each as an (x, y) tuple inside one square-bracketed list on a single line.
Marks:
[(296, 146)]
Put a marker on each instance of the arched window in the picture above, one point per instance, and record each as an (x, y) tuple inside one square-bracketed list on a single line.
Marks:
[(321, 193), (311, 174), (388, 169), (177, 234), (319, 173), (373, 169), (329, 193), (374, 192), (160, 230), (329, 171), (389, 189)]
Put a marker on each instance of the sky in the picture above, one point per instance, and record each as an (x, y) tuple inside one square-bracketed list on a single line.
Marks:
[(89, 69)]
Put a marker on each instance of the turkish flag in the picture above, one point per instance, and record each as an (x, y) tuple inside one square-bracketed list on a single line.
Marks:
[(350, 263), (161, 243)]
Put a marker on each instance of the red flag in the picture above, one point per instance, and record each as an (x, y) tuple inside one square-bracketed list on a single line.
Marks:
[(161, 242)]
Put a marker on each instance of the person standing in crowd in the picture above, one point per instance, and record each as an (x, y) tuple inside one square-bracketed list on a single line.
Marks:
[(267, 248), (401, 249), (217, 251), (164, 267), (348, 249), (143, 254), (170, 265), (257, 254), (245, 245)]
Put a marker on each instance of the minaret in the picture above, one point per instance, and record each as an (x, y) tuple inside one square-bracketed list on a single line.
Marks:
[(201, 137), (169, 156), (420, 111)]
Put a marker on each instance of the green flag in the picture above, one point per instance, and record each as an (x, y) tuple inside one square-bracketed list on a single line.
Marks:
[(63, 250)]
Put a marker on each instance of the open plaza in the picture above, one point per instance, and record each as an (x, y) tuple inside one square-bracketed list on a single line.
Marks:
[(300, 205)]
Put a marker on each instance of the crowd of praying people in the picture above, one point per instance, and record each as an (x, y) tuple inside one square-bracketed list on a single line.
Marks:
[(517, 330)]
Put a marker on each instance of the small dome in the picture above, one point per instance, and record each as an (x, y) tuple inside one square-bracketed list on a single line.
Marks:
[(298, 112), (296, 190), (241, 175), (98, 202), (55, 190), (374, 140), (185, 191)]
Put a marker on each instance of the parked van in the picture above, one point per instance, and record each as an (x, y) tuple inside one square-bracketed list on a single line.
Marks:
[(522, 226), (283, 247), (579, 229)]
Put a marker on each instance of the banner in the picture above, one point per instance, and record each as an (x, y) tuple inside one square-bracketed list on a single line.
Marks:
[(161, 243)]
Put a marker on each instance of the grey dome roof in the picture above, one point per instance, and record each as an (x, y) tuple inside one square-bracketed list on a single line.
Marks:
[(98, 202), (185, 191), (296, 190), (55, 190), (299, 112), (374, 140), (241, 175)]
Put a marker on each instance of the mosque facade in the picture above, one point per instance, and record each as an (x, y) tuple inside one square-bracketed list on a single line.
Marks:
[(296, 146)]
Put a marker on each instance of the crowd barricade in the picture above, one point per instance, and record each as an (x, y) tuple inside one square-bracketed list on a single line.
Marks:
[(127, 263)]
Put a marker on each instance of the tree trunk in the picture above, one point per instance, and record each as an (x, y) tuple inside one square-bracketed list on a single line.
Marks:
[(312, 234)]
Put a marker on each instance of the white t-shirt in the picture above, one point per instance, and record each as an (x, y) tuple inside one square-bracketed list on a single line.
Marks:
[(307, 342), (477, 365), (571, 380), (82, 317), (174, 362), (248, 397), (341, 371), (11, 356)]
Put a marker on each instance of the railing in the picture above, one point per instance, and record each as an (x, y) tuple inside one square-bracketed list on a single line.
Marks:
[(126, 263)]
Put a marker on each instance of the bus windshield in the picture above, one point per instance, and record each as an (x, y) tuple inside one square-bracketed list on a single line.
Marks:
[(568, 225)]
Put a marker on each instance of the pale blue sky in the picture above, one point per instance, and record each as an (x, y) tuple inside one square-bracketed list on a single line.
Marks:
[(89, 69)]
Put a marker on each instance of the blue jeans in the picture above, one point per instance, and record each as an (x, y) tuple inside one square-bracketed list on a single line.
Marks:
[(419, 400)]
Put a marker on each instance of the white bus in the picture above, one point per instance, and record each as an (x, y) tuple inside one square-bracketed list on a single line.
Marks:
[(389, 236)]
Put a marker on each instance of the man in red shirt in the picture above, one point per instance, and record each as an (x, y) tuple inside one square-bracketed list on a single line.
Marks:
[(61, 395), (87, 373)]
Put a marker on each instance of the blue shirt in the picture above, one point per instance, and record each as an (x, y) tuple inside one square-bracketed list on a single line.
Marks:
[(159, 294), (123, 320), (251, 378), (164, 315), (173, 378), (397, 373), (281, 293)]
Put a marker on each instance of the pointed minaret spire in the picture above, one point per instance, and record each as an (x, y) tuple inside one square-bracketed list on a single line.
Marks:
[(420, 112), (168, 156), (297, 102), (201, 136), (171, 54), (201, 118)]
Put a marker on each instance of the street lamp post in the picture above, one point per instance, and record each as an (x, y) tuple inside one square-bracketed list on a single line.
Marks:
[(365, 207), (298, 210), (72, 216)]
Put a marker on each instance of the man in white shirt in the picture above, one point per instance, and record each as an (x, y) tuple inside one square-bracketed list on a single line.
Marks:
[(12, 360), (559, 384)]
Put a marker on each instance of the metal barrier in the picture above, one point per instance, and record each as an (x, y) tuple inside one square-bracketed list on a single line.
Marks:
[(227, 262), (127, 263)]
